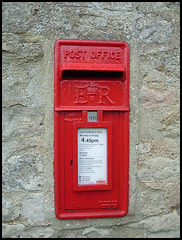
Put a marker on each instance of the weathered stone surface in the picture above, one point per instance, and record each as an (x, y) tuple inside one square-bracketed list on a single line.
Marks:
[(102, 232), (23, 172), (12, 231), (144, 148), (29, 32), (156, 99), (9, 211), (159, 168), (170, 234), (32, 210), (168, 222), (126, 232)]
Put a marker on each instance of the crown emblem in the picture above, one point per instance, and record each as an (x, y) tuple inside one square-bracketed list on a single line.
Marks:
[(91, 90)]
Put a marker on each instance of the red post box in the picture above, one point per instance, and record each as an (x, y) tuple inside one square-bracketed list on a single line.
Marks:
[(91, 139)]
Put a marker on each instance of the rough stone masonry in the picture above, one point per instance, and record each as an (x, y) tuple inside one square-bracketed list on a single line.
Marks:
[(29, 32)]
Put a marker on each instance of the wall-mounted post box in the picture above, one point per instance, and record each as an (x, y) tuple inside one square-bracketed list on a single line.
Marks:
[(91, 138)]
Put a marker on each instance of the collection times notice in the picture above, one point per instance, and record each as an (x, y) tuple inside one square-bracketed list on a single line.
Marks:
[(92, 156)]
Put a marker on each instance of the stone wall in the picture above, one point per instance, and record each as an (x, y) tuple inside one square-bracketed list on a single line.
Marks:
[(30, 30)]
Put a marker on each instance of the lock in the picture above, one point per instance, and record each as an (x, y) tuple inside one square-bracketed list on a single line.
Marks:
[(91, 128)]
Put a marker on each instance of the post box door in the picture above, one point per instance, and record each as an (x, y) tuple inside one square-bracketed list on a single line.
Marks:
[(91, 199)]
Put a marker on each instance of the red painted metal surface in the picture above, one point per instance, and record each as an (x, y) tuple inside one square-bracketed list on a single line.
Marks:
[(91, 76)]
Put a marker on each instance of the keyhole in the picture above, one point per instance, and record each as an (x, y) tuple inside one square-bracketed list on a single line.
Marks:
[(71, 162)]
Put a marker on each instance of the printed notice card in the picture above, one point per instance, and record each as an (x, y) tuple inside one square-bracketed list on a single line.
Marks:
[(92, 156)]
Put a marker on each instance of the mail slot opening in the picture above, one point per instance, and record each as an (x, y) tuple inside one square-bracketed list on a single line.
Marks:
[(94, 75)]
